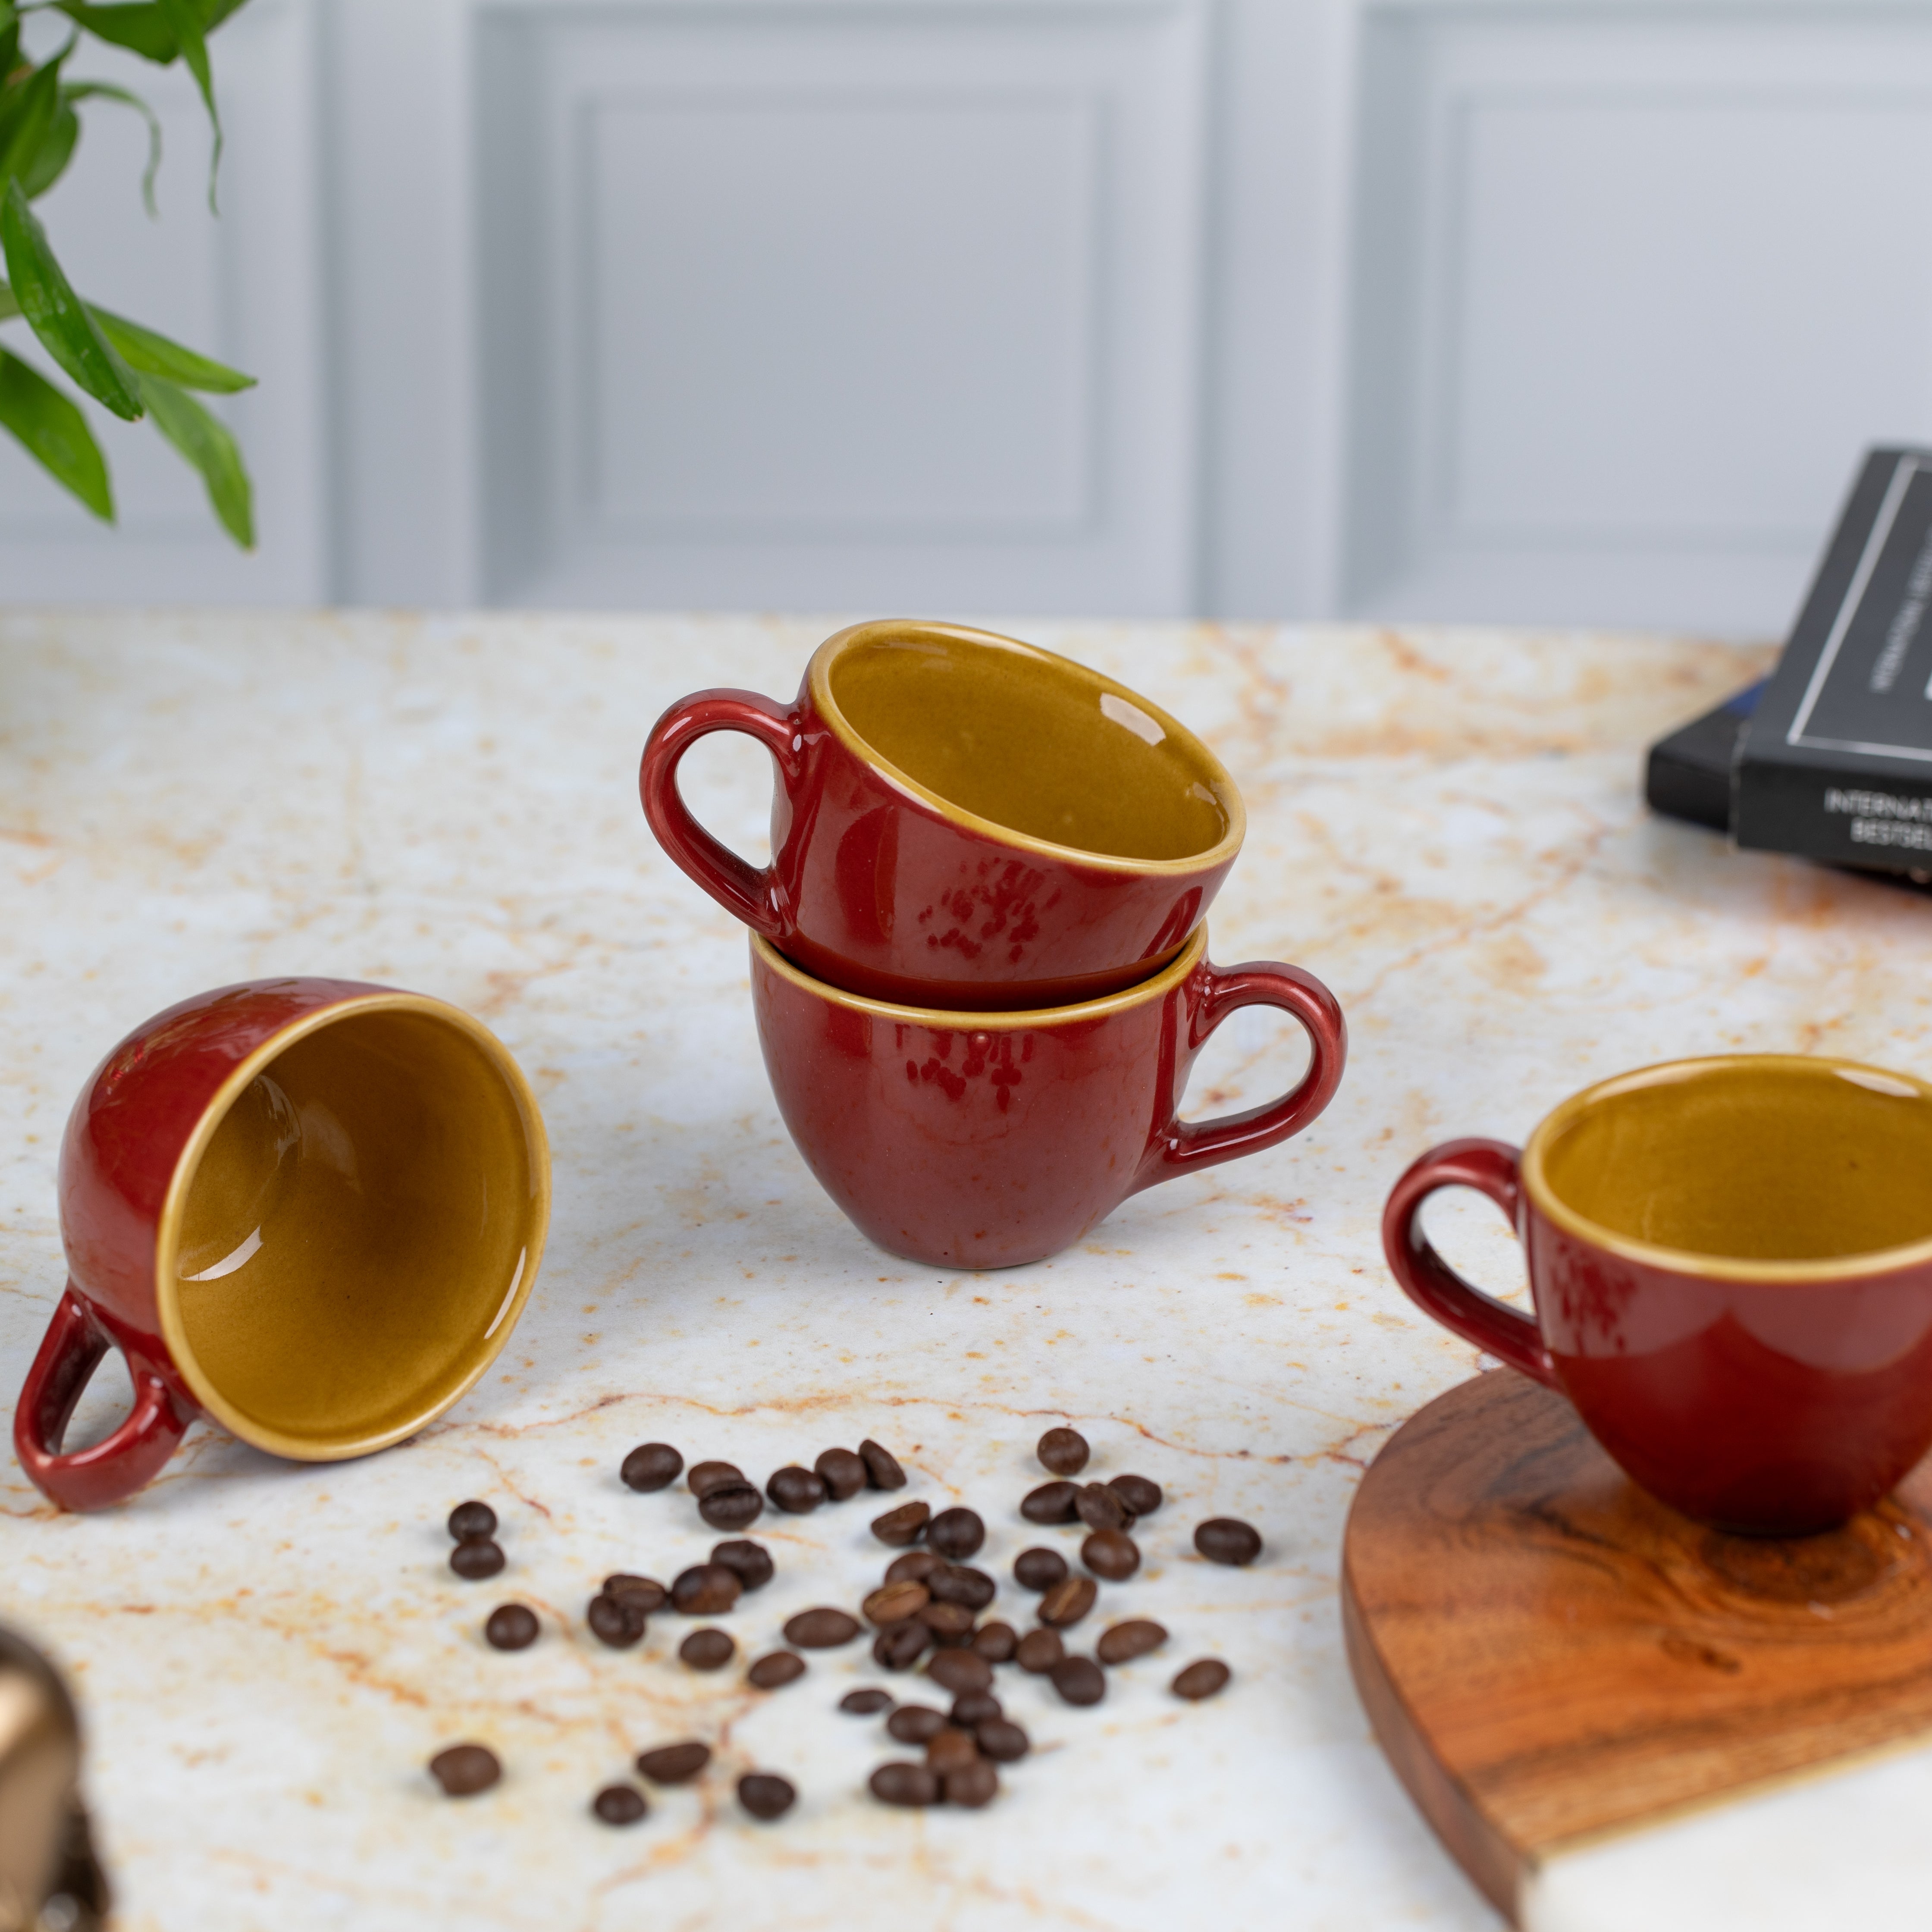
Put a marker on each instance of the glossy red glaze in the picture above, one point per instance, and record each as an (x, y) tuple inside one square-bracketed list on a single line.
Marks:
[(883, 892), (1767, 1407), (981, 1141)]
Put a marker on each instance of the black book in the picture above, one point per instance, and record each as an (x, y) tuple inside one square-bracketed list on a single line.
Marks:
[(1689, 773)]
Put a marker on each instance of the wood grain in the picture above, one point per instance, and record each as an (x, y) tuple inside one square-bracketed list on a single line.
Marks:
[(1546, 1653)]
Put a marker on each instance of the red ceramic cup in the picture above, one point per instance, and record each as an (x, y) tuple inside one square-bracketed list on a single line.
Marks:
[(310, 1210), (962, 820), (1731, 1263), (973, 1140)]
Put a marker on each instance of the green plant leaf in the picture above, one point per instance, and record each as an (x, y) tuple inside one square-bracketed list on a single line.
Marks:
[(10, 38), (152, 354), (183, 16), (27, 111), (57, 315), (140, 28), (48, 165), (101, 90), (204, 441), (9, 307), (53, 431)]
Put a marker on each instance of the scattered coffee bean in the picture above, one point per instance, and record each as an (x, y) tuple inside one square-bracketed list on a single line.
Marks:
[(1051, 1502), (707, 1650), (960, 1671), (616, 1620), (646, 1593), (947, 1621), (469, 1520), (901, 1646), (996, 1642), (914, 1567), (882, 1466), (1002, 1740), (1201, 1678), (1066, 1603), (842, 1473), (820, 1629), (510, 1627), (976, 1707), (898, 1527), (651, 1466), (463, 1770), (1139, 1495), (1226, 1539), (796, 1491), (707, 1590), (750, 1562), (904, 1783), (705, 1477), (949, 1747), (475, 1558), (971, 1784), (620, 1804), (1121, 1643), (866, 1703), (955, 1534), (766, 1796), (916, 1723), (733, 1506), (1110, 1553), (674, 1764), (775, 1670), (1099, 1508), (894, 1603), (1064, 1451), (1039, 1651), (1079, 1680), (1039, 1569), (956, 1584)]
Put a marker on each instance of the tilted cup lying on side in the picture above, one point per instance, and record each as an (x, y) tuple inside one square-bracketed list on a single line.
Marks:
[(982, 1140), (962, 820), (1731, 1261), (310, 1209)]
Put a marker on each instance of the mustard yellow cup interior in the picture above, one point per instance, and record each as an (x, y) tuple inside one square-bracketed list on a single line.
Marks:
[(1781, 1166), (1028, 743), (351, 1233)]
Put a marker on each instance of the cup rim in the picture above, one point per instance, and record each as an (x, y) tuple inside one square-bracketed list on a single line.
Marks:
[(168, 1227), (1157, 986), (1540, 1195), (818, 681)]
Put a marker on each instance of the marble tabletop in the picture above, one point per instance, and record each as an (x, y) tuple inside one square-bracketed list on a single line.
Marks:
[(1445, 826)]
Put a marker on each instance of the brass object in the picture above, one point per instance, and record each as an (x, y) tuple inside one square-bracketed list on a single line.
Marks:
[(49, 1878)]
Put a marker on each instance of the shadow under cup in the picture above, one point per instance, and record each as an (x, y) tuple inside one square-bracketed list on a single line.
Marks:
[(344, 1246)]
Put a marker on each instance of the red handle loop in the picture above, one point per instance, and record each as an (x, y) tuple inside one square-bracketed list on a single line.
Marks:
[(73, 1348), (748, 893), (1188, 1145), (1491, 1168)]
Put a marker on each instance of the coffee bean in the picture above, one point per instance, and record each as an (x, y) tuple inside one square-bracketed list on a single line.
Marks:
[(882, 1468), (1139, 1495), (1225, 1539), (705, 1477), (1099, 1508), (955, 1534), (996, 1642), (1064, 1451), (915, 1723), (1112, 1554), (510, 1627), (820, 1629), (463, 1770), (971, 1784), (645, 1592), (706, 1590), (949, 1747), (960, 1671), (733, 1506), (842, 1473), (620, 1805), (774, 1671), (1039, 1569), (469, 1520), (616, 1620), (894, 1603), (900, 1645), (1201, 1678), (1039, 1651), (707, 1650), (914, 1567), (1121, 1643), (1066, 1603), (904, 1783), (1079, 1680), (674, 1764), (766, 1796), (866, 1703), (956, 1584), (902, 1525), (750, 1562), (651, 1466), (796, 1491), (976, 1707), (1051, 1502), (475, 1558), (1002, 1741), (947, 1620)]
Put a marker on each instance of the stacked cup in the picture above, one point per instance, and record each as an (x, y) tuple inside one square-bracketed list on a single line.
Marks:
[(979, 958)]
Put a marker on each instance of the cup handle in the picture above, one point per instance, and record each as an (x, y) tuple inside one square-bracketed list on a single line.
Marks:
[(749, 893), (1186, 1145), (1492, 1168), (73, 1348)]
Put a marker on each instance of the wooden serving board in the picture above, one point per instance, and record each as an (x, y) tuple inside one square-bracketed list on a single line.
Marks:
[(1547, 1654)]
